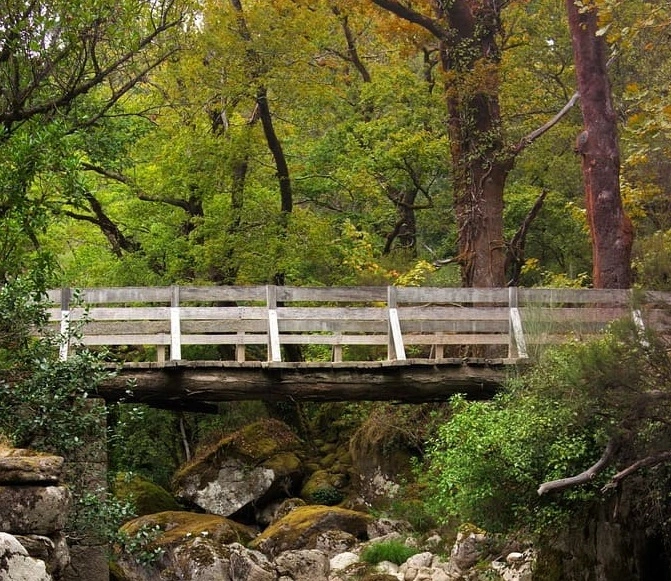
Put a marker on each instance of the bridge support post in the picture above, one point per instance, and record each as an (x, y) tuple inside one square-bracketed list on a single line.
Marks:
[(274, 351), (396, 349), (517, 345), (175, 326)]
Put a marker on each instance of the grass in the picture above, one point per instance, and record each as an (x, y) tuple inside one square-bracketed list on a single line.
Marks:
[(393, 551)]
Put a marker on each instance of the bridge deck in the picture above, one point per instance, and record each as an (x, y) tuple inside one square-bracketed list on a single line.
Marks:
[(187, 384), (373, 343)]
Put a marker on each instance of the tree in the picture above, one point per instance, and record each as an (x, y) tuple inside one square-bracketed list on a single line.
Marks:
[(610, 228), (62, 71), (469, 35)]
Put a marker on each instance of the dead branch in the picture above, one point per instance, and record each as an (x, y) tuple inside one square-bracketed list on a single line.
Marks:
[(536, 133), (583, 477), (643, 463)]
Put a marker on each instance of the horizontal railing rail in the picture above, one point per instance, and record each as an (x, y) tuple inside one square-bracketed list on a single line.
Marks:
[(393, 322)]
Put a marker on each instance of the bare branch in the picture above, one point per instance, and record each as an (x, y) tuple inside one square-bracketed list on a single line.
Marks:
[(529, 139), (583, 477), (643, 463)]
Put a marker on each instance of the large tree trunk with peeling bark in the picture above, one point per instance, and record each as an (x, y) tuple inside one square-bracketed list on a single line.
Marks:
[(610, 228)]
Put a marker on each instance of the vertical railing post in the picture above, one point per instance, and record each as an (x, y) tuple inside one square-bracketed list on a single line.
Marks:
[(65, 324), (175, 326), (274, 351), (637, 317), (395, 349), (516, 342)]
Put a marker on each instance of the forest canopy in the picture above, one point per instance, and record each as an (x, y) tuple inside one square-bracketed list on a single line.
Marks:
[(324, 142)]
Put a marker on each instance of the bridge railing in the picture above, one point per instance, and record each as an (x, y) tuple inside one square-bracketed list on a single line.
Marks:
[(394, 322)]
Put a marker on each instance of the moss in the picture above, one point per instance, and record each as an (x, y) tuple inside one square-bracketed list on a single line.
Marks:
[(300, 528), (283, 463), (176, 526), (256, 442), (147, 497), (319, 489)]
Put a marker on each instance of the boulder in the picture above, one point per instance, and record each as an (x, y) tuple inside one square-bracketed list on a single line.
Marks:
[(36, 510), (517, 566), (199, 547), (304, 565), (146, 497), (471, 545), (321, 488), (335, 542), (17, 565), (381, 458), (245, 470), (276, 509), (53, 550), (18, 466), (302, 527)]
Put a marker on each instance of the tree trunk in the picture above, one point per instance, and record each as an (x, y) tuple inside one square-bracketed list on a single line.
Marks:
[(470, 56), (611, 229)]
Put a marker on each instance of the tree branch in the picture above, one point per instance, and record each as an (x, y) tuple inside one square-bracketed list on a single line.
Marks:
[(536, 133), (515, 254), (413, 16), (583, 477), (643, 463)]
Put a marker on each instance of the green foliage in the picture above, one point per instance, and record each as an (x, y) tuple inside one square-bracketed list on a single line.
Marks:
[(326, 495), (98, 516), (145, 441), (43, 401), (394, 551), (140, 545), (486, 462)]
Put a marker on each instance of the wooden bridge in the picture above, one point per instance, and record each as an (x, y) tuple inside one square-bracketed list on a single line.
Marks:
[(187, 346)]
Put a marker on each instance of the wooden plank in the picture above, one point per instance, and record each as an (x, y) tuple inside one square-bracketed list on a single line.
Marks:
[(224, 313), (245, 339), (65, 336), (287, 294), (274, 351), (333, 313), (126, 295), (433, 313), (396, 336), (456, 339), (175, 334), (574, 296), (125, 327), (137, 339), (498, 326), (122, 313), (517, 334), (215, 294), (452, 295)]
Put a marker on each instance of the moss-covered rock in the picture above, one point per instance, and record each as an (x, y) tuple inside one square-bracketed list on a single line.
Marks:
[(173, 526), (320, 489), (146, 497), (249, 468), (301, 528), (185, 545)]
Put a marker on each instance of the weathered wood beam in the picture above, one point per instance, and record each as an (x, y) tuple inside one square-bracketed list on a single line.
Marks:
[(411, 381)]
